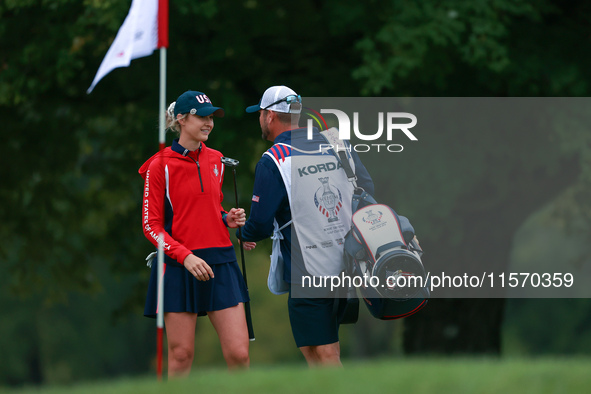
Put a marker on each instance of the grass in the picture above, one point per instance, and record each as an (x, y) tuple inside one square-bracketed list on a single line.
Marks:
[(408, 375)]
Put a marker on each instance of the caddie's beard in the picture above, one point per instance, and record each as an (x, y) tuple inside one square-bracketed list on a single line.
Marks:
[(265, 131)]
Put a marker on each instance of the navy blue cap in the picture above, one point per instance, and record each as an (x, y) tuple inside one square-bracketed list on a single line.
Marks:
[(196, 103)]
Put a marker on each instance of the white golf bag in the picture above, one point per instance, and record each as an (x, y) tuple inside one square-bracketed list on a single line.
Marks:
[(381, 248)]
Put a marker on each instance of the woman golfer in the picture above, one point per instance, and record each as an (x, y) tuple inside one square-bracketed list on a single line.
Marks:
[(182, 199)]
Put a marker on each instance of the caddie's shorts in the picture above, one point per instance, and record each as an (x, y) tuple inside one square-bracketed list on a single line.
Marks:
[(313, 322)]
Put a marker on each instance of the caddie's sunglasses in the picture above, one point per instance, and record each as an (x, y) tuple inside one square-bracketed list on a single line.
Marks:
[(294, 101)]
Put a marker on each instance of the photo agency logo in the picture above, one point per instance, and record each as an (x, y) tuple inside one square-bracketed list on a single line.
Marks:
[(390, 126)]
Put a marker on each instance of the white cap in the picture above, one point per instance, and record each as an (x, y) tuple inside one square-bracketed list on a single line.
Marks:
[(270, 100)]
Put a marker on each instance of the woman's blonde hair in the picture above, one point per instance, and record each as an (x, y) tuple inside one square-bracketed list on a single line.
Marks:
[(172, 123)]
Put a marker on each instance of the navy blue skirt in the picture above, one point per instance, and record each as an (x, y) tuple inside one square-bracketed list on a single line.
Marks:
[(184, 293)]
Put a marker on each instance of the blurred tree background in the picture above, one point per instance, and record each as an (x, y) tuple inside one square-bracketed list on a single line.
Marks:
[(72, 277)]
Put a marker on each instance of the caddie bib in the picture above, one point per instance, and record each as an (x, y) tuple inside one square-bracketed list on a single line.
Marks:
[(320, 202)]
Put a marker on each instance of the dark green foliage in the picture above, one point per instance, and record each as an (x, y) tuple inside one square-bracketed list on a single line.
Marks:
[(71, 194)]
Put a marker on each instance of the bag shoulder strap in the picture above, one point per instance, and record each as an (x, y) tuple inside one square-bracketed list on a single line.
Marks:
[(339, 150)]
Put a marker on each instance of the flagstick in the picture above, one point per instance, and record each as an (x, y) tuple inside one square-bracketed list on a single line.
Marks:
[(162, 44), (126, 47), (160, 313), (162, 96), (162, 141)]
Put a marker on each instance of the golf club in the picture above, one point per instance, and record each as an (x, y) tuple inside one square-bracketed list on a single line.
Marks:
[(233, 163)]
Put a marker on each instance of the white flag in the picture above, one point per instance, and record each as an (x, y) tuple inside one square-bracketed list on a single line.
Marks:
[(137, 37)]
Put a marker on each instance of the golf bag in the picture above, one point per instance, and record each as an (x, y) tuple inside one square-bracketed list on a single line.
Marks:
[(380, 249)]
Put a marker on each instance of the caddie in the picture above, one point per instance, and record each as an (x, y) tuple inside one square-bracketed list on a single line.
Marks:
[(302, 199)]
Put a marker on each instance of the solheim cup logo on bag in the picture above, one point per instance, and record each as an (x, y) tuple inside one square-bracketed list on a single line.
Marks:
[(372, 218), (327, 201)]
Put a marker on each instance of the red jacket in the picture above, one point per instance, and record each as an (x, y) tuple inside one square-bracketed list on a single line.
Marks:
[(182, 199)]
